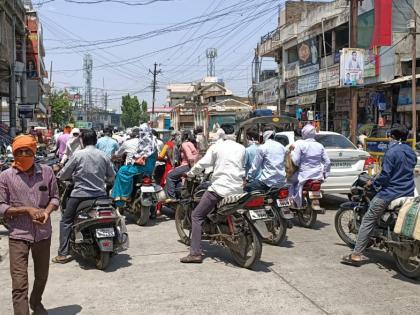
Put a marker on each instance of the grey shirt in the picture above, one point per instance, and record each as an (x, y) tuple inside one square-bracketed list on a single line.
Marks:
[(88, 168)]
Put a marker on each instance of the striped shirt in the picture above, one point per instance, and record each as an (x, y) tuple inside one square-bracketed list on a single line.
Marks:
[(18, 189)]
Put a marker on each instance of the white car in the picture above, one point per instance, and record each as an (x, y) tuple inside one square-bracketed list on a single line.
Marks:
[(347, 161)]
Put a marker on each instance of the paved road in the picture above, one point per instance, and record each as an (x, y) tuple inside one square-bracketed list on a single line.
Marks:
[(303, 276)]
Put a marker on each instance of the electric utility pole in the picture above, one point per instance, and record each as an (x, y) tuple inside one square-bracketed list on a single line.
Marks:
[(413, 30), (155, 72), (354, 8)]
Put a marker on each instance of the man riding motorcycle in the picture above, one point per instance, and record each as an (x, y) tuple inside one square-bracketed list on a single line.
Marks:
[(267, 169), (311, 160), (227, 158), (89, 168), (396, 180)]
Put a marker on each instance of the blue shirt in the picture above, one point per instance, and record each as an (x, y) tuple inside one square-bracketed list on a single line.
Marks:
[(250, 153), (270, 160), (108, 145), (397, 176)]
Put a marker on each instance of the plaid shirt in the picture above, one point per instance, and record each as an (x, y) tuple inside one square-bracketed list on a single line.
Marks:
[(18, 189)]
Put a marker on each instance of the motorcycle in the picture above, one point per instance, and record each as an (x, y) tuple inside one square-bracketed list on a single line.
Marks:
[(99, 232), (349, 217), (146, 195), (311, 204), (279, 216), (237, 223)]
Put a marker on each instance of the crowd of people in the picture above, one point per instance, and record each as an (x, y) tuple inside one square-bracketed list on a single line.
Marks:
[(89, 162)]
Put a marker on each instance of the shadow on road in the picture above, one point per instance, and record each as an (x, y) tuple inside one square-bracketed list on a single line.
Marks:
[(65, 310), (222, 255), (319, 225), (117, 262)]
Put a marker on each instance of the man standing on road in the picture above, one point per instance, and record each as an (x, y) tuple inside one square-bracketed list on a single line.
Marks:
[(227, 159), (267, 169), (107, 144), (28, 195), (396, 180), (89, 168)]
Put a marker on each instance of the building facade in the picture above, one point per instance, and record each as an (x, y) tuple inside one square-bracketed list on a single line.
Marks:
[(307, 44)]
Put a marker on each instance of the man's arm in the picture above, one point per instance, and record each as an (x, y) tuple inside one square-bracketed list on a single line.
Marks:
[(67, 171), (207, 160), (326, 162), (256, 164), (7, 211), (385, 175), (110, 173), (121, 150)]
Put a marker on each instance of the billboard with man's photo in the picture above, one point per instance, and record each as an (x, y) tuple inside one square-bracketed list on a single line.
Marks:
[(352, 67)]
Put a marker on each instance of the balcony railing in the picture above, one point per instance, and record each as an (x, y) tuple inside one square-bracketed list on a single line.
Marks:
[(269, 42)]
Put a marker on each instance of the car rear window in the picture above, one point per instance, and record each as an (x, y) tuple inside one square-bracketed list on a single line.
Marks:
[(335, 142)]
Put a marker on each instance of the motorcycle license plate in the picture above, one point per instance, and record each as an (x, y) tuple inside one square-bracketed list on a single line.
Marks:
[(287, 214), (258, 214), (315, 195), (105, 233), (148, 189), (283, 203)]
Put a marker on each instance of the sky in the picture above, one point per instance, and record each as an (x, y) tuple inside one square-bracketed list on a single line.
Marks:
[(126, 40)]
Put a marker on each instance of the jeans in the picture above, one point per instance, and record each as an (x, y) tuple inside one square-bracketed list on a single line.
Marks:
[(173, 178), (206, 205), (19, 254), (66, 223), (376, 209), (256, 185)]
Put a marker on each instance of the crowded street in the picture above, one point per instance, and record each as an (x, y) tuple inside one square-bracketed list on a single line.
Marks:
[(302, 276), (209, 157)]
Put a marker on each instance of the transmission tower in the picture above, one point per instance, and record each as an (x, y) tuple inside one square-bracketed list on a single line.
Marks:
[(211, 54), (88, 69)]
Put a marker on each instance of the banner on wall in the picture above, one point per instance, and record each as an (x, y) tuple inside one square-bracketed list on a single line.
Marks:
[(352, 67), (308, 56)]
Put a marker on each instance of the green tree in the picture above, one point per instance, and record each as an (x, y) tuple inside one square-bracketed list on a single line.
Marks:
[(60, 108), (133, 113)]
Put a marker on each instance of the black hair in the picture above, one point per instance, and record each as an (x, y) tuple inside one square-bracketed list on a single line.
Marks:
[(186, 136), (155, 133), (89, 137), (107, 131), (198, 130), (399, 132), (171, 128), (252, 135), (228, 129)]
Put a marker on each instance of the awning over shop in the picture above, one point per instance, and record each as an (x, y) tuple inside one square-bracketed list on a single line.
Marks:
[(401, 80)]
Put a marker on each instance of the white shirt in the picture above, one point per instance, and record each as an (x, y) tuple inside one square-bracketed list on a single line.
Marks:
[(130, 147), (227, 158)]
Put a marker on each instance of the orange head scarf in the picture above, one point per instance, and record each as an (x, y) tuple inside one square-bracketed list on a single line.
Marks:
[(24, 163), (67, 129)]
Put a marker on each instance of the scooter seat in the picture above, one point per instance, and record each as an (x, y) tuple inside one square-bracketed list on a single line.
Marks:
[(94, 202), (398, 203), (230, 199)]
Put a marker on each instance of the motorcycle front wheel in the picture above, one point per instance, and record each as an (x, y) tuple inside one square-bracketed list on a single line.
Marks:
[(251, 248), (182, 224), (102, 261), (408, 267), (345, 226)]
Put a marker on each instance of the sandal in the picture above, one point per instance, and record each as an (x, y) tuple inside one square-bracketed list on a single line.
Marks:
[(62, 259), (348, 260)]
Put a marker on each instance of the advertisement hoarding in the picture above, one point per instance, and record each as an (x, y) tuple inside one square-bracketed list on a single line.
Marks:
[(352, 63)]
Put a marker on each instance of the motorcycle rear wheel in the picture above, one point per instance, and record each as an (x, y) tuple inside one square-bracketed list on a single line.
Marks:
[(252, 239), (142, 215), (278, 229), (180, 217), (344, 218), (103, 260), (408, 267), (307, 217)]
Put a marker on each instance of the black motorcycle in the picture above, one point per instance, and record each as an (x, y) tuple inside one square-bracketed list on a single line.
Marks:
[(235, 223), (406, 251)]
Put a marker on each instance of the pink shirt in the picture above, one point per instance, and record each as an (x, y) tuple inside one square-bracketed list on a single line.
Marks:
[(61, 143), (188, 153)]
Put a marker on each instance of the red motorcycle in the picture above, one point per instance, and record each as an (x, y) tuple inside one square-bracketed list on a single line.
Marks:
[(310, 204)]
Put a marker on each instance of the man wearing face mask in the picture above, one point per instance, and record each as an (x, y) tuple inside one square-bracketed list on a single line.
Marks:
[(28, 195)]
